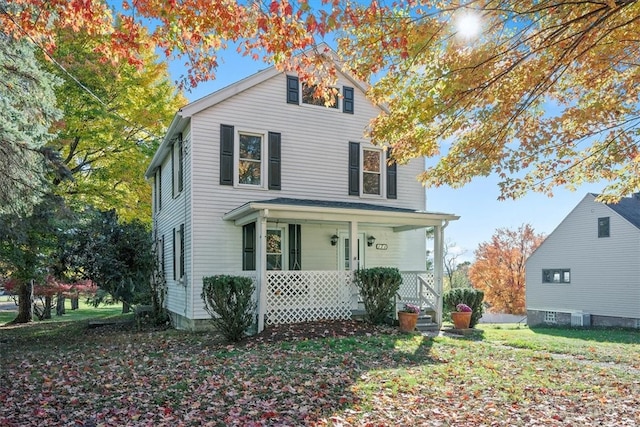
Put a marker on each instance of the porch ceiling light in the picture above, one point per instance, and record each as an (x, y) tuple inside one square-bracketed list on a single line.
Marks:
[(334, 240), (371, 240)]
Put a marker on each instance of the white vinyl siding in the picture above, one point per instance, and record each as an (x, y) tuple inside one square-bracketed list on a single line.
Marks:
[(604, 273), (176, 211)]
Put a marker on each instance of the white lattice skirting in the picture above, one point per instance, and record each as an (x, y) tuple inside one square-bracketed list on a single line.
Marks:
[(300, 296)]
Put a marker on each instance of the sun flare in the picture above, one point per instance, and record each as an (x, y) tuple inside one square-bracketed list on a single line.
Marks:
[(468, 25)]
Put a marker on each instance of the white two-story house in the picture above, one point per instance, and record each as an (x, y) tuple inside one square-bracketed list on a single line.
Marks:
[(261, 179)]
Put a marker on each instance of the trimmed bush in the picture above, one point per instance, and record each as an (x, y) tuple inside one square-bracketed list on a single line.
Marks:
[(229, 301), (378, 287), (469, 296)]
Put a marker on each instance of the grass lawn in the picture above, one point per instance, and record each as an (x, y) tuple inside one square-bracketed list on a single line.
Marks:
[(84, 311), (501, 376)]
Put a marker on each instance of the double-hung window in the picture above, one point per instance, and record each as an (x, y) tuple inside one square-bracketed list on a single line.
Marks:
[(250, 158), (371, 172)]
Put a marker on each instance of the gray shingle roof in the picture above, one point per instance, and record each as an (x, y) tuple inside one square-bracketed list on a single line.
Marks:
[(628, 208), (335, 204)]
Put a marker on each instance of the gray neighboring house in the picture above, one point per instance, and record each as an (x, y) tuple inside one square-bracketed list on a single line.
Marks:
[(587, 271), (259, 180)]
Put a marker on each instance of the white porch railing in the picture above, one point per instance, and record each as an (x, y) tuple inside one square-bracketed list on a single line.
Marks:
[(419, 288), (299, 296)]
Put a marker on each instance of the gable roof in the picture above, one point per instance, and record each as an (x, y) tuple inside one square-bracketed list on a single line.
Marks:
[(628, 208), (183, 115)]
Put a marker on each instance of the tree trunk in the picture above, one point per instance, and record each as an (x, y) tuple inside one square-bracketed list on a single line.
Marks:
[(48, 302), (75, 303), (60, 305), (126, 307), (25, 303)]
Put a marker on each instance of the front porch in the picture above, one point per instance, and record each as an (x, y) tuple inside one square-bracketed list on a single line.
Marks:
[(302, 255), (302, 296)]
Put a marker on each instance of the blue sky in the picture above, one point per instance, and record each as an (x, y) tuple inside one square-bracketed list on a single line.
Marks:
[(476, 203)]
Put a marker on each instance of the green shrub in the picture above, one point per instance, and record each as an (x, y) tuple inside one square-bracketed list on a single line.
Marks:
[(470, 296), (229, 301), (378, 287)]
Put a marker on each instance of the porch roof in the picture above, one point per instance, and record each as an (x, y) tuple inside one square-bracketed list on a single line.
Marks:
[(306, 210)]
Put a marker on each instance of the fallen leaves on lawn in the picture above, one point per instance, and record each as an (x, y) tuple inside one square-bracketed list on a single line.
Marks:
[(316, 374)]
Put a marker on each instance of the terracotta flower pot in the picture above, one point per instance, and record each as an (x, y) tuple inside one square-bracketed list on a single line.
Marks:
[(461, 319), (407, 321)]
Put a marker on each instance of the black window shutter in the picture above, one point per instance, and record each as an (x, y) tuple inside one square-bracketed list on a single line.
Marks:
[(295, 247), (392, 177), (293, 96), (249, 246), (181, 250), (354, 169), (274, 161), (347, 99), (173, 161), (180, 164), (159, 187), (173, 252), (226, 155)]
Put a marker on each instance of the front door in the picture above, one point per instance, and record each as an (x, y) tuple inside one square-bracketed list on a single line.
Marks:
[(344, 251)]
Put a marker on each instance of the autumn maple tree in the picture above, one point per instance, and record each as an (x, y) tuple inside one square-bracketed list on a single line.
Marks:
[(499, 269), (114, 117), (544, 95)]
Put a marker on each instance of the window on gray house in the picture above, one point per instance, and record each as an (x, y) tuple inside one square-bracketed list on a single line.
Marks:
[(556, 275), (603, 227)]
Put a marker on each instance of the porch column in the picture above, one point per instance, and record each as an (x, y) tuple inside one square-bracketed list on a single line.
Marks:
[(438, 265), (353, 246), (261, 270)]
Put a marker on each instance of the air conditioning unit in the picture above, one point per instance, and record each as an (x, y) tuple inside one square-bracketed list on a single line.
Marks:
[(580, 319)]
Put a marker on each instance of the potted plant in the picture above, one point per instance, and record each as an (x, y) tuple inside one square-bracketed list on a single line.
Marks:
[(462, 316), (408, 317)]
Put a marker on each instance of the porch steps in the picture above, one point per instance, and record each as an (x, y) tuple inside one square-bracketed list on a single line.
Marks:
[(426, 323)]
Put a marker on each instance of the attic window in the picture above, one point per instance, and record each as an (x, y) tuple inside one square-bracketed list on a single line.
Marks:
[(309, 98), (603, 227)]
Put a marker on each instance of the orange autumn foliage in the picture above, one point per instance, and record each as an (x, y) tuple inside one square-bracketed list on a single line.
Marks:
[(499, 269)]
